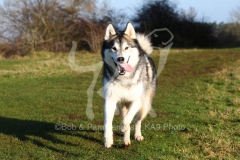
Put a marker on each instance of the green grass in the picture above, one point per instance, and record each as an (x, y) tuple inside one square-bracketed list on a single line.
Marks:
[(197, 103)]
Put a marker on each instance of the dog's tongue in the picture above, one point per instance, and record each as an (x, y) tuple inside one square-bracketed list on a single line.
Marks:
[(126, 66)]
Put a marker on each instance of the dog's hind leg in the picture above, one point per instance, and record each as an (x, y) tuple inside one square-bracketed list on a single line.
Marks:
[(127, 119), (140, 116), (123, 110), (126, 137), (138, 122)]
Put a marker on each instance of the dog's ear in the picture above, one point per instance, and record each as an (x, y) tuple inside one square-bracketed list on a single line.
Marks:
[(129, 30), (110, 31)]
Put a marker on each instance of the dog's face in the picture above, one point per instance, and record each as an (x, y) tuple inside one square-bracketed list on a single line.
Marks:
[(120, 49)]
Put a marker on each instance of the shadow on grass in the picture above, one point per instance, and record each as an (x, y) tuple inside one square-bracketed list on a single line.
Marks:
[(42, 131)]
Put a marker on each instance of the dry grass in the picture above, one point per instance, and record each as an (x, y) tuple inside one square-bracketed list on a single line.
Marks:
[(222, 100), (45, 64)]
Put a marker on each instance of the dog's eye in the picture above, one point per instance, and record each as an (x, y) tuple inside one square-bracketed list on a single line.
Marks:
[(114, 48), (126, 48)]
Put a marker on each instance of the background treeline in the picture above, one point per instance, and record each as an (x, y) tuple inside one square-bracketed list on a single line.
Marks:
[(188, 31), (51, 25)]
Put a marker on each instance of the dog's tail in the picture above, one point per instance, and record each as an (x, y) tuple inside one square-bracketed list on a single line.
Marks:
[(145, 43)]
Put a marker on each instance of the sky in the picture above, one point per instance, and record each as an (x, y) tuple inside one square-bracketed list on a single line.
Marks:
[(211, 10)]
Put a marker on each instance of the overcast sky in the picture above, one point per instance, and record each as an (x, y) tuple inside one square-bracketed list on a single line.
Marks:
[(212, 10)]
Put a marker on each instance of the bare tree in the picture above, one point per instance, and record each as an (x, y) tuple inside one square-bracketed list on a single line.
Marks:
[(33, 22), (47, 24), (235, 14), (235, 18), (32, 25), (189, 15)]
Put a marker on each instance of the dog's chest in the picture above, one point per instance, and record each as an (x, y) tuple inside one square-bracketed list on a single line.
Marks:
[(117, 91)]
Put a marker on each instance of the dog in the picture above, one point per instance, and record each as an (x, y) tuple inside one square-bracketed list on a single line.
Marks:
[(129, 79)]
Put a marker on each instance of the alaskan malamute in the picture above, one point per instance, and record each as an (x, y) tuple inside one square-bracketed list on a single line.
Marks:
[(129, 80)]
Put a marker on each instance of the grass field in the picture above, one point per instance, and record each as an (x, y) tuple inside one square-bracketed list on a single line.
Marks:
[(197, 105)]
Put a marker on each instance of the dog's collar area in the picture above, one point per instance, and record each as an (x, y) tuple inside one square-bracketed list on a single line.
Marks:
[(121, 70)]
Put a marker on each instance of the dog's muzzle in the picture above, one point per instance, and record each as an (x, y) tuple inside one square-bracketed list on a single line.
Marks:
[(119, 64), (121, 70)]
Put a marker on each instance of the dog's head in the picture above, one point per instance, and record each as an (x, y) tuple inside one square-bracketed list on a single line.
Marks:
[(120, 49)]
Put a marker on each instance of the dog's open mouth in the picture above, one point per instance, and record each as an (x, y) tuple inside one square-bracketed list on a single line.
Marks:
[(121, 70), (123, 67)]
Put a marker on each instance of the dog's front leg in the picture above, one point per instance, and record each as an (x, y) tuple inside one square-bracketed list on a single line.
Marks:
[(125, 126), (109, 109)]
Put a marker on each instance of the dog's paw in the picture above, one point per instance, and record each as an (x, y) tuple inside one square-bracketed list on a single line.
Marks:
[(139, 138), (108, 143), (124, 127), (126, 144)]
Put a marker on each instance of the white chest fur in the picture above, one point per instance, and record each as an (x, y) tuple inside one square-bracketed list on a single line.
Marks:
[(116, 91)]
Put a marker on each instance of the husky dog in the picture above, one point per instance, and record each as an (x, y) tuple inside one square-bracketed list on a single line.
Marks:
[(129, 80)]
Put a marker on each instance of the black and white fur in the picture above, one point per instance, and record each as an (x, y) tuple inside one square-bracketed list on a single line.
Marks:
[(131, 91)]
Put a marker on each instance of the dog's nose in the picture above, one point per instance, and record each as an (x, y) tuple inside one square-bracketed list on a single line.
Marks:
[(120, 59)]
